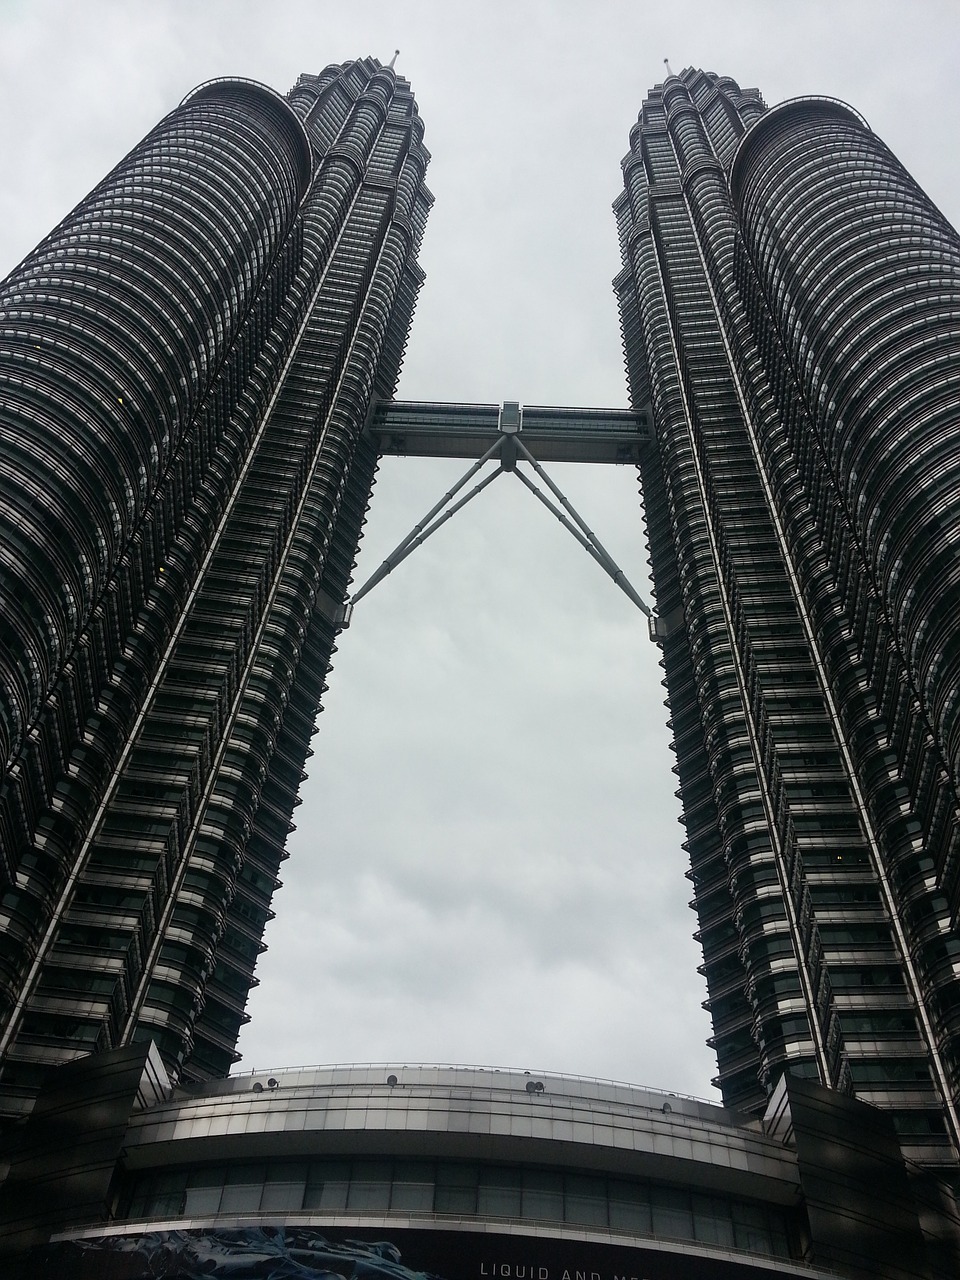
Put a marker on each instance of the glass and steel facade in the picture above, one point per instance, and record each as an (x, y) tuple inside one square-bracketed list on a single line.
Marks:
[(788, 302), (507, 1160), (459, 1172), (471, 1189), (187, 362), (197, 373)]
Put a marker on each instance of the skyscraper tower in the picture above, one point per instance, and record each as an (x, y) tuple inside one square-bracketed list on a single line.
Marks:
[(788, 301), (187, 364), (196, 375), (191, 366)]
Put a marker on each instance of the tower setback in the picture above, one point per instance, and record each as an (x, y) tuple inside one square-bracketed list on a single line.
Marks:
[(789, 300), (187, 364), (197, 371), (193, 366)]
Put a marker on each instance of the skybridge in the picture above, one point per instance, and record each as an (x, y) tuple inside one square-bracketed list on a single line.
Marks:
[(507, 434), (422, 429)]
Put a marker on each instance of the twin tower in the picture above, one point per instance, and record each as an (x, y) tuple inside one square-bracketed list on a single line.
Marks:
[(197, 369)]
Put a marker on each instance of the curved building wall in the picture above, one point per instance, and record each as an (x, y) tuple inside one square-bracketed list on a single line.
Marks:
[(862, 275), (359, 284), (852, 274), (675, 355), (459, 1172), (112, 330), (814, 800), (151, 867), (509, 1164)]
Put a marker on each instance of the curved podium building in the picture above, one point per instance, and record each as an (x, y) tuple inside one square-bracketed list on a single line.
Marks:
[(197, 371), (458, 1172)]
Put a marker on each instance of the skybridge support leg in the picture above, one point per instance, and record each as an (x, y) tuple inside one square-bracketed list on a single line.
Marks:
[(511, 450), (422, 531), (587, 539)]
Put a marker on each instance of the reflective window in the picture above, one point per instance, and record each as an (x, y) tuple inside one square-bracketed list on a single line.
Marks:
[(284, 1188), (499, 1193), (456, 1188), (243, 1189), (370, 1186), (460, 1188), (327, 1184), (543, 1195), (413, 1187)]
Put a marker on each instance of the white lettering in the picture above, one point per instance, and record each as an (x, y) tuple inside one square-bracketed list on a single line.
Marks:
[(522, 1271)]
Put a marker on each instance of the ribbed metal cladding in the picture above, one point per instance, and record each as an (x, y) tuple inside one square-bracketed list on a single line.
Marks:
[(814, 798), (151, 857), (862, 274), (676, 349), (853, 274), (111, 332)]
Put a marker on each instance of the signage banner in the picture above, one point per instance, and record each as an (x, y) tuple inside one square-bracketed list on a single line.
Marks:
[(382, 1253)]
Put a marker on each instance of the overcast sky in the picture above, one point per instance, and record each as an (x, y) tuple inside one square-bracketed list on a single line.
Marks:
[(487, 867)]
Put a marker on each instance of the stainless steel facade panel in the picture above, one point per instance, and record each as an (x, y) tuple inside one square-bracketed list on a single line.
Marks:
[(586, 1131), (112, 330), (228, 358), (815, 797), (862, 275), (281, 1169), (571, 1122)]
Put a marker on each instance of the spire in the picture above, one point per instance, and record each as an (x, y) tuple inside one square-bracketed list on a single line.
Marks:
[(396, 55), (666, 63)]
